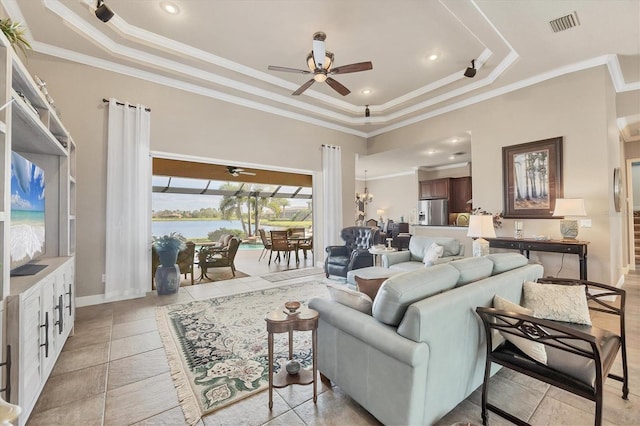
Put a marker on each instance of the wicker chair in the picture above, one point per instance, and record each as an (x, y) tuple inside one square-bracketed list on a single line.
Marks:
[(219, 258), (186, 258), (587, 352)]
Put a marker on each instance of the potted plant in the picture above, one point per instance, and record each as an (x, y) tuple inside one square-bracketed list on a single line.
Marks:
[(15, 34), (168, 273), (168, 247)]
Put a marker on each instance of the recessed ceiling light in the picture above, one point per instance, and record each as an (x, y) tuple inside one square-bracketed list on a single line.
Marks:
[(452, 157), (454, 140), (366, 91), (431, 152), (170, 8), (433, 56)]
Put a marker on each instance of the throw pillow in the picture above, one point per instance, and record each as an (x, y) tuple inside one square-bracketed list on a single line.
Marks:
[(433, 252), (351, 298), (370, 286), (532, 349), (566, 303)]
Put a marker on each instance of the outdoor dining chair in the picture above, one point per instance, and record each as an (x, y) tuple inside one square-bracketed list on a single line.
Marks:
[(280, 243)]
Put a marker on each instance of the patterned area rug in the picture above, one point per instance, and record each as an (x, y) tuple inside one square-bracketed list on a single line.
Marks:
[(217, 348), (292, 273)]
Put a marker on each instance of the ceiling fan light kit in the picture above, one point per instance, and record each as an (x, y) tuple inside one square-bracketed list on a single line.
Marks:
[(319, 61), (471, 71)]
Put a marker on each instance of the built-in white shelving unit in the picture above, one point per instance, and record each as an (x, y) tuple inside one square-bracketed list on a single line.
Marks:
[(37, 312)]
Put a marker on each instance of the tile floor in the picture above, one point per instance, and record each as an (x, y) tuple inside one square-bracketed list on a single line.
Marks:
[(114, 371)]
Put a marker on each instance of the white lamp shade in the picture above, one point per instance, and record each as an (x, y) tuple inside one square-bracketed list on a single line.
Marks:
[(380, 212), (481, 226), (569, 207)]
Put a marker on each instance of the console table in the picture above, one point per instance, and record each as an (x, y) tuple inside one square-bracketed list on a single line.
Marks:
[(553, 246)]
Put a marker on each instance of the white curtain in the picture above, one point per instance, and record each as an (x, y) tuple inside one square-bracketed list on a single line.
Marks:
[(332, 193), (128, 239)]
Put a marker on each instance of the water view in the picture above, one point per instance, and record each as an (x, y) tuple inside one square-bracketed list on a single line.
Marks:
[(191, 229)]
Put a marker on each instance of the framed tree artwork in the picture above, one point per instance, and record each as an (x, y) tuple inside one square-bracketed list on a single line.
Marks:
[(532, 178)]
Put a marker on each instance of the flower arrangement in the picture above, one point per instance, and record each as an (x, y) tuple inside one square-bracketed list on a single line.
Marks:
[(173, 241)]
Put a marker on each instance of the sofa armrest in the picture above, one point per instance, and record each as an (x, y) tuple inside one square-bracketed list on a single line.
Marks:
[(367, 329), (392, 258), (337, 250)]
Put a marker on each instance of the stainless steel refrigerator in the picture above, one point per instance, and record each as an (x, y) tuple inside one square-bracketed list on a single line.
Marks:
[(433, 212)]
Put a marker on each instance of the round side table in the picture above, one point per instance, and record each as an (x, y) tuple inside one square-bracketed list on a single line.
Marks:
[(278, 321), (377, 253)]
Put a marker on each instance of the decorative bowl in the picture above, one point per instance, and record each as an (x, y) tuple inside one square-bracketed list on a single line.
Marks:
[(292, 306)]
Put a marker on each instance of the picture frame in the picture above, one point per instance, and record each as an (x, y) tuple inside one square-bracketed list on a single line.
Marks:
[(532, 178)]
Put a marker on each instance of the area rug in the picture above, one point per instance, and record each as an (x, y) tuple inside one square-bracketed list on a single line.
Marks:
[(217, 348), (292, 273)]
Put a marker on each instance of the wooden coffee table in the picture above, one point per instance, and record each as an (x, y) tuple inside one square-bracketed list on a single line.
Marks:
[(278, 321)]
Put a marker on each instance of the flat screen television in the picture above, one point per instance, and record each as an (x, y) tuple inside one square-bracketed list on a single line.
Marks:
[(27, 233)]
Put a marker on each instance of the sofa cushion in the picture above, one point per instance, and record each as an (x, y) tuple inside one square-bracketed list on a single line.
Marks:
[(401, 290), (503, 262), (419, 244), (351, 298), (370, 286), (433, 253), (566, 303), (472, 269)]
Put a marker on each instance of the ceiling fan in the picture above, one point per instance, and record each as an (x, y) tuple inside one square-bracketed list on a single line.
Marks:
[(236, 171), (319, 61)]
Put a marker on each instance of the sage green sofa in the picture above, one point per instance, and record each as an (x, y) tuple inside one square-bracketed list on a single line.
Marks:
[(412, 259), (422, 351)]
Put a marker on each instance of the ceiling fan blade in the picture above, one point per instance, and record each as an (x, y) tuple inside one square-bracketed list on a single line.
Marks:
[(247, 173), (285, 69), (337, 86), (304, 87), (360, 66)]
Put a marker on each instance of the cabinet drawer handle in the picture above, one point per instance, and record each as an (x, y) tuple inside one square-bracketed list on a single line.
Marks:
[(60, 308), (69, 293), (46, 334)]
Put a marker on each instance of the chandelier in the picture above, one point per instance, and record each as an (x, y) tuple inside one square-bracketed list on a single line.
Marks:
[(365, 197)]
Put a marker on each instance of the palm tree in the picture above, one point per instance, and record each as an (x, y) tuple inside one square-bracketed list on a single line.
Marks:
[(231, 205)]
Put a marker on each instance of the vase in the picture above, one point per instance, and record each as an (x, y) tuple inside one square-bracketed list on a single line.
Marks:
[(167, 279), (168, 257)]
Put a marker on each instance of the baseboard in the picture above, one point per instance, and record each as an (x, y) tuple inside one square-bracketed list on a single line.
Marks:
[(100, 298)]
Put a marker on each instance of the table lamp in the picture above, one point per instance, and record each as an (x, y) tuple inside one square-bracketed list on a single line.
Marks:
[(569, 207), (481, 226), (380, 212)]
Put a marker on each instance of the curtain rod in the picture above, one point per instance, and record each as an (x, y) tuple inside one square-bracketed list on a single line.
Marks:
[(122, 103)]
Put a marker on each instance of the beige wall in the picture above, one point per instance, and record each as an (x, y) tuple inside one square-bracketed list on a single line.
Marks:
[(181, 123), (397, 196), (577, 107)]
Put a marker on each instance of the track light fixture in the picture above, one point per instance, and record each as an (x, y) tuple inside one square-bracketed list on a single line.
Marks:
[(367, 113), (103, 12), (471, 71)]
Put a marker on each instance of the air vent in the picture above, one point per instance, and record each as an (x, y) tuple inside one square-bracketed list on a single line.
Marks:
[(565, 22)]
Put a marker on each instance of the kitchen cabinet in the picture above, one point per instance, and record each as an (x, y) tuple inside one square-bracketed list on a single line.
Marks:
[(456, 190), (460, 193), (435, 188)]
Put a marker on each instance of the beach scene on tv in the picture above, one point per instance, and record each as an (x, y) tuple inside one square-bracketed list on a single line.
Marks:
[(27, 211)]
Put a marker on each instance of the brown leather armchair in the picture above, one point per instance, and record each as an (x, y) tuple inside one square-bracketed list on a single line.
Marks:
[(354, 254)]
